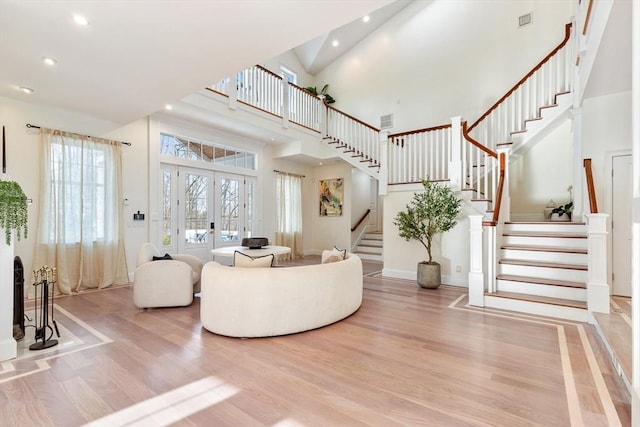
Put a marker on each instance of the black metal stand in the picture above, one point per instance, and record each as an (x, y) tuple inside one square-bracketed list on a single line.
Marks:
[(43, 325)]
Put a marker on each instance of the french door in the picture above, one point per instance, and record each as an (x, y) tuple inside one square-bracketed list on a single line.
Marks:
[(203, 209)]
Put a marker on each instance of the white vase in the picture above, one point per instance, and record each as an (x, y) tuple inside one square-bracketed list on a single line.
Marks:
[(556, 217)]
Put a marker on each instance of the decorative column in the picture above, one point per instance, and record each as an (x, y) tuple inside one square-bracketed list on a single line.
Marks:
[(8, 346), (597, 286), (476, 276)]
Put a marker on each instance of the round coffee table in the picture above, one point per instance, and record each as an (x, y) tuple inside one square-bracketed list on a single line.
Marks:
[(228, 251)]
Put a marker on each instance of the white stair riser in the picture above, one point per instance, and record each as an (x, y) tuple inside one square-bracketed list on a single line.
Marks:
[(369, 257), (564, 242), (567, 258), (369, 242), (564, 292), (373, 236), (545, 272), (541, 309), (369, 249), (554, 227)]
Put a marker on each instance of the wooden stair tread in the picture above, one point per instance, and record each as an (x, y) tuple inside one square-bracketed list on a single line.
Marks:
[(545, 249), (546, 264), (540, 299), (552, 234), (541, 281)]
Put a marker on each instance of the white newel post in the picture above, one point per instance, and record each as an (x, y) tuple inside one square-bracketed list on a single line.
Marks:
[(383, 179), (8, 346), (455, 162), (476, 276), (597, 286), (232, 92)]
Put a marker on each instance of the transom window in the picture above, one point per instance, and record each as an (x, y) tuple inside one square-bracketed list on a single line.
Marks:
[(174, 146)]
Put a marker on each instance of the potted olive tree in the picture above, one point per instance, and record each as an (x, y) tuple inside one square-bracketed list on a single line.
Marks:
[(433, 211), (13, 210)]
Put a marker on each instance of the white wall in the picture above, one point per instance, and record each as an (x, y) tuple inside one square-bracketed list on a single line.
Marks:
[(606, 129), (435, 60), (330, 231), (542, 173), (450, 250), (361, 194)]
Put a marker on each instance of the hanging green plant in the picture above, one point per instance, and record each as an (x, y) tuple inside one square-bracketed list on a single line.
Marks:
[(13, 210)]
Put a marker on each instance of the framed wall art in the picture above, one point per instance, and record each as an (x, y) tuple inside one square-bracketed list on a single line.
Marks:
[(331, 196)]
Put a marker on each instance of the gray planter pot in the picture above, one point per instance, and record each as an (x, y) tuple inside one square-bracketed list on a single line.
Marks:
[(428, 275)]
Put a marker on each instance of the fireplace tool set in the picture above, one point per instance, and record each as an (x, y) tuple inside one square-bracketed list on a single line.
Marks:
[(44, 277)]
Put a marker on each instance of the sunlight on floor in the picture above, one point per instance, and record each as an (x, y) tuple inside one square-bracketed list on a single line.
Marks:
[(171, 406)]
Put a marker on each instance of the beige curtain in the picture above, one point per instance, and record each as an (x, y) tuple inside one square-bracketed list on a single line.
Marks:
[(289, 212), (80, 224)]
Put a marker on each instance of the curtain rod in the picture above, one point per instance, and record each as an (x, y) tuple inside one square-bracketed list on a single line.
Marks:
[(288, 173), (29, 125)]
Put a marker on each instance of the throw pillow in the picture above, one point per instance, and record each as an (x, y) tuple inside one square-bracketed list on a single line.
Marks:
[(160, 258), (243, 260), (340, 253), (333, 258)]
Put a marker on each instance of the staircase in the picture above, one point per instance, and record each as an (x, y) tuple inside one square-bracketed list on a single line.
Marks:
[(542, 270), (370, 247)]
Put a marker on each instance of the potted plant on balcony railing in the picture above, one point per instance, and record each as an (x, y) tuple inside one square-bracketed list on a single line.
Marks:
[(13, 210), (433, 211), (323, 93)]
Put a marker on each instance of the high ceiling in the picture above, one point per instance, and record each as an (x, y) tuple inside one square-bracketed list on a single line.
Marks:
[(135, 56)]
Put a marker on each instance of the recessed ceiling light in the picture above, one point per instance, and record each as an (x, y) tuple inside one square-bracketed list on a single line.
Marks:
[(168, 107), (25, 89), (365, 18), (80, 20), (320, 163), (335, 43), (49, 61)]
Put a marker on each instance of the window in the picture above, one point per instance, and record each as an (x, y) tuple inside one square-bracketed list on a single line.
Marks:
[(80, 226), (184, 148), (288, 75)]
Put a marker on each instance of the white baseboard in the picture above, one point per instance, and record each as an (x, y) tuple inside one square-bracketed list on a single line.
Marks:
[(413, 275)]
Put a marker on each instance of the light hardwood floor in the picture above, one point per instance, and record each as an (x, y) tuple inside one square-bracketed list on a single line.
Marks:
[(407, 357)]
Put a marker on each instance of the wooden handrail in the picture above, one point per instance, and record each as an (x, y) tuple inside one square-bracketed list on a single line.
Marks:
[(353, 118), (587, 18), (567, 35), (496, 209), (411, 132), (361, 220), (465, 133), (591, 191), (268, 71)]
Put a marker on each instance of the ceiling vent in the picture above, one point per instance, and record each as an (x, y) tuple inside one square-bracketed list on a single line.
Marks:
[(524, 20), (386, 122)]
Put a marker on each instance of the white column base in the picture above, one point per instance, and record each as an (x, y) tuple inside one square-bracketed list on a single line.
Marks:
[(8, 346), (8, 349), (598, 298), (476, 289)]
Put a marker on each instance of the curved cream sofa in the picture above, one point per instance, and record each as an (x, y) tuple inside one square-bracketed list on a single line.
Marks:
[(263, 302)]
